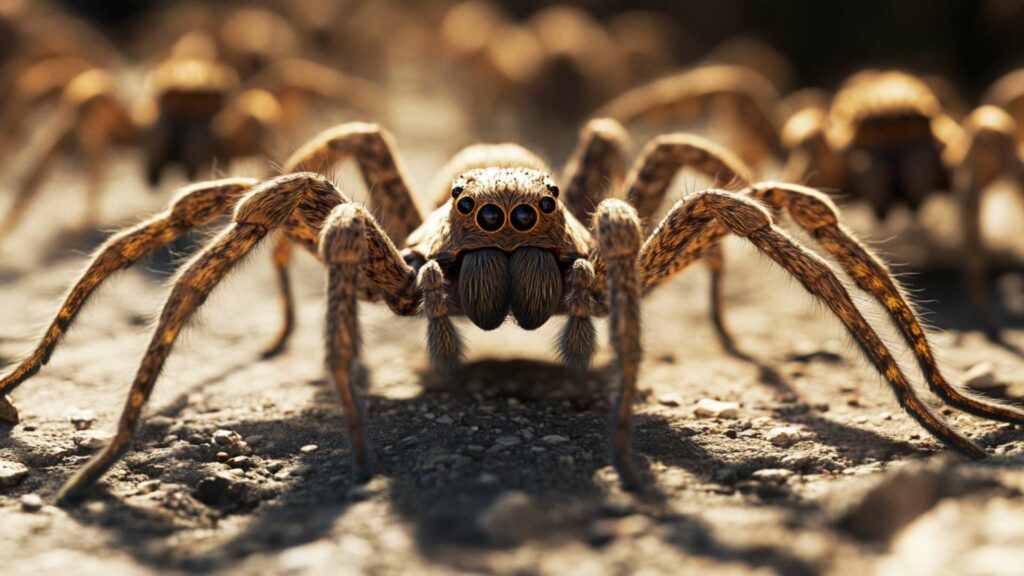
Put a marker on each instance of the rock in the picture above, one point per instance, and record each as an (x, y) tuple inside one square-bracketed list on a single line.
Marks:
[(309, 448), (31, 503), (82, 419), (510, 519), (772, 475), (444, 419), (92, 439), (224, 489), (783, 435), (709, 408), (243, 462), (981, 376), (11, 473), (8, 411), (160, 421), (506, 441), (554, 439), (147, 486), (672, 399), (254, 440), (226, 437)]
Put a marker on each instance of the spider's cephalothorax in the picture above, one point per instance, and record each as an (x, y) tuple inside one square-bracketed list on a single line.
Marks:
[(502, 241)]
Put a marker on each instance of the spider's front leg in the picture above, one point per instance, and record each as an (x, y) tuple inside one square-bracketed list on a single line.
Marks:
[(619, 237), (695, 219), (597, 167)]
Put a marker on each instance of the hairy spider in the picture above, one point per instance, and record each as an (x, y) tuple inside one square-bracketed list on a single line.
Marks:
[(886, 137), (196, 114), (502, 242)]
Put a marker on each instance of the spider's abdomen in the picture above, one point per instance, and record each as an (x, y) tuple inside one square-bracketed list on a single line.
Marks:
[(492, 283)]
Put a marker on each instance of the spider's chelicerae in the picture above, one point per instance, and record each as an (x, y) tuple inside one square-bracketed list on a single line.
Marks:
[(502, 242)]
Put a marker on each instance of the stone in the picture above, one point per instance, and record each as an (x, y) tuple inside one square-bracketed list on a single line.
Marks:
[(92, 439), (309, 448), (783, 435), (510, 519), (82, 419), (710, 408), (31, 503), (8, 411), (11, 473), (981, 376), (773, 475), (554, 439)]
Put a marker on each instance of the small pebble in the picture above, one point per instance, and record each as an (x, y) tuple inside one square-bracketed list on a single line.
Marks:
[(160, 421), (783, 435), (92, 439), (31, 503), (243, 462), (226, 437), (506, 441), (710, 408), (254, 440), (981, 376), (309, 448), (444, 419), (82, 419), (773, 475), (554, 439), (147, 486), (11, 473), (8, 411)]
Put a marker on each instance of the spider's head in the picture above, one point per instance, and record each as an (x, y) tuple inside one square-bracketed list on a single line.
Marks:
[(506, 208)]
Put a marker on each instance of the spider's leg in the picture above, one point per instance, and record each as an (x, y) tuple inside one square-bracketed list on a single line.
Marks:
[(815, 212), (650, 177), (372, 147), (578, 340), (743, 94), (596, 169), (190, 290), (194, 206), (746, 218), (619, 237), (985, 151), (282, 202), (281, 257), (443, 340)]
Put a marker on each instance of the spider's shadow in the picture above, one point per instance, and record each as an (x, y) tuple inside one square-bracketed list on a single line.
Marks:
[(441, 476)]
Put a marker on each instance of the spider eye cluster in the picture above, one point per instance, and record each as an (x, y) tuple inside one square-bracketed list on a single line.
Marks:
[(491, 217)]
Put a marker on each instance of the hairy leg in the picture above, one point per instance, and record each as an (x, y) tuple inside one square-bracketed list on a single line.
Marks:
[(747, 219), (618, 235), (578, 341), (815, 212), (194, 206), (596, 169), (27, 191), (281, 257), (374, 151)]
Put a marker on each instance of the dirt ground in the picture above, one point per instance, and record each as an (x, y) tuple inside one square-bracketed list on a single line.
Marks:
[(504, 469)]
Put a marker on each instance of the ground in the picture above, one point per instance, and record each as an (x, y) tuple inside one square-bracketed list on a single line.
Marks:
[(504, 469)]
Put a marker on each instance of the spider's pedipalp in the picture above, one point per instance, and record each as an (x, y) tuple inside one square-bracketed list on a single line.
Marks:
[(815, 212), (444, 343), (194, 206), (748, 219), (578, 340)]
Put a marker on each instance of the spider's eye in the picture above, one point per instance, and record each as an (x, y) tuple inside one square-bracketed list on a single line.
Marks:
[(456, 191), (547, 204), (465, 204), (553, 189), (523, 217), (490, 217)]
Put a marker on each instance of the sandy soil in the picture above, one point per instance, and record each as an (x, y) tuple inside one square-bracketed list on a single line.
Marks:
[(504, 469)]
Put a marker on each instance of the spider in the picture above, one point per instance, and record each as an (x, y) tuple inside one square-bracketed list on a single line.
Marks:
[(886, 137), (196, 114), (502, 242)]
